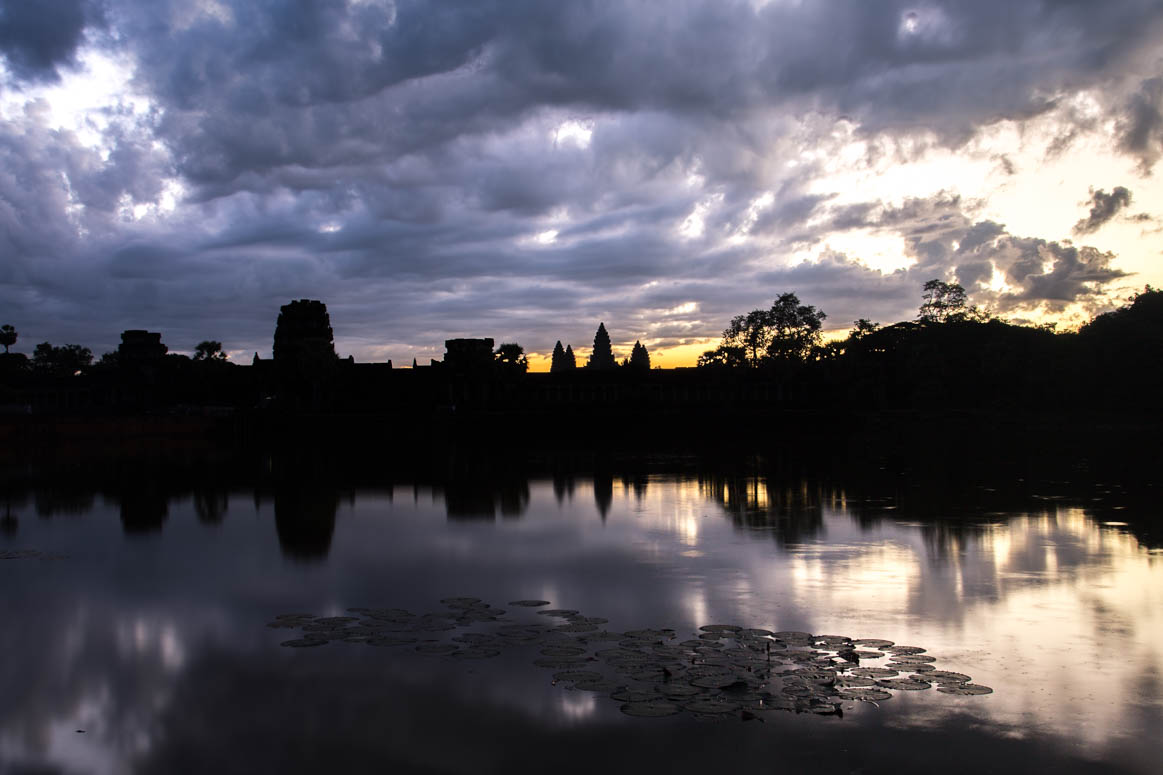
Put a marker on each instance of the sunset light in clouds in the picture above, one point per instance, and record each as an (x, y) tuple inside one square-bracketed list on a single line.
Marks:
[(526, 170)]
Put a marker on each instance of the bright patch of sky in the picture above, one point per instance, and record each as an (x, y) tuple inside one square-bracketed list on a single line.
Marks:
[(573, 132), (85, 102)]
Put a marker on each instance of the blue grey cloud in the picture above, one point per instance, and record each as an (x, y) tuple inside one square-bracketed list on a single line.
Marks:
[(406, 161)]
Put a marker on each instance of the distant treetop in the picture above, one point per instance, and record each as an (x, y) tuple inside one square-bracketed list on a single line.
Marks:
[(209, 350), (7, 336), (944, 302)]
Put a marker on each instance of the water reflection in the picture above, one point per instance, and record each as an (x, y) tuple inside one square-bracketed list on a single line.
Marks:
[(1038, 597)]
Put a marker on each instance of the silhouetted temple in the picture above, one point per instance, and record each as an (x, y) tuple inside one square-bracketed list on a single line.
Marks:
[(139, 346), (898, 370)]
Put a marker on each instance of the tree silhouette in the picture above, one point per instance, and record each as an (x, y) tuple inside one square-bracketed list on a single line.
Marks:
[(787, 331), (862, 328), (724, 356), (639, 357), (602, 356), (795, 328), (947, 303), (66, 360), (570, 360), (209, 350), (510, 356), (557, 364), (7, 336)]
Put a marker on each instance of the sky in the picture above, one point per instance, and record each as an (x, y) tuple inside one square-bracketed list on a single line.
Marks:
[(523, 170)]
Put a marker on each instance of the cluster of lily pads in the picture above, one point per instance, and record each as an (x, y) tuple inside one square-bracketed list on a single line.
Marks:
[(722, 669)]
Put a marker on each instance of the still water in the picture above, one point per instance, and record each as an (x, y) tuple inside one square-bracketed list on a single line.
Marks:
[(135, 629)]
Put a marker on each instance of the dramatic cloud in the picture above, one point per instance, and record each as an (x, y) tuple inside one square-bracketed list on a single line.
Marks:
[(522, 169), (1103, 207), (38, 37)]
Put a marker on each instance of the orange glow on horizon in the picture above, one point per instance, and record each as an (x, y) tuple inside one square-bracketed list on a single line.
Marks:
[(678, 356)]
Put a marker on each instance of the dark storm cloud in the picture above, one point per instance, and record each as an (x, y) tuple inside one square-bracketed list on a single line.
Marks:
[(1103, 207), (399, 160), (1141, 127), (327, 84), (38, 37)]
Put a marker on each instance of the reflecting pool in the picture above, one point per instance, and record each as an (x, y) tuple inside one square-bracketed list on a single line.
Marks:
[(142, 632)]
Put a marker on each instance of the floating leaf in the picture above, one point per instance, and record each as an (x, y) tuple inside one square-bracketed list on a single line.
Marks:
[(679, 689), (460, 602), (945, 676), (652, 709), (866, 695), (907, 684), (529, 603), (965, 689), (754, 633), (599, 685), (874, 672), (714, 681), (873, 643), (577, 628), (904, 650), (476, 652), (436, 648), (721, 628), (912, 659), (711, 705), (577, 675), (388, 641), (299, 643), (560, 663)]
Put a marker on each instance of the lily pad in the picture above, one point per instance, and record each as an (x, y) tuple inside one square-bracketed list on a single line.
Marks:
[(711, 705), (633, 695), (578, 675), (560, 663), (436, 649), (679, 689), (529, 603), (476, 652), (574, 628), (388, 641), (965, 689), (945, 676), (907, 684), (874, 672), (865, 694), (599, 685), (714, 681), (651, 709), (904, 650), (562, 651), (300, 643), (912, 659), (460, 602)]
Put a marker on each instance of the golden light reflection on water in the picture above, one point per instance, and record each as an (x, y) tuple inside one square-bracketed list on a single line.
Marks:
[(1061, 615)]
